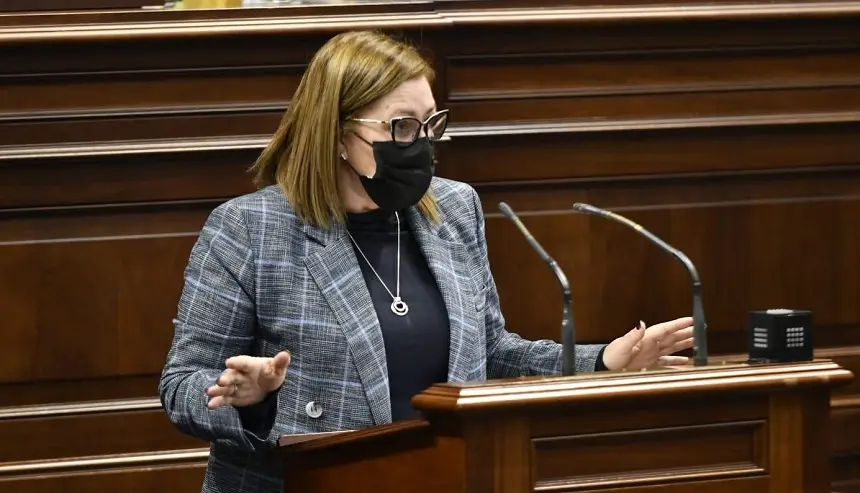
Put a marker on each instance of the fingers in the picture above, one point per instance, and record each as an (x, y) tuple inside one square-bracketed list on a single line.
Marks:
[(228, 387), (672, 360), (280, 362), (663, 330), (677, 347), (680, 335), (245, 377), (220, 396), (216, 402), (274, 372), (647, 347), (244, 364), (621, 351), (634, 337), (678, 341), (227, 384), (249, 364), (231, 377)]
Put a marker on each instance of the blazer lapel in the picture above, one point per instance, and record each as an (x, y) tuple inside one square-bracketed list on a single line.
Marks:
[(333, 265), (448, 262)]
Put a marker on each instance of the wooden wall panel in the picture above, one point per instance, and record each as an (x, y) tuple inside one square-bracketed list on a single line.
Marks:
[(136, 473), (200, 122), (143, 174), (48, 5), (76, 319), (98, 91), (652, 71), (649, 83), (740, 273), (67, 432), (728, 129), (126, 445), (126, 333), (609, 152)]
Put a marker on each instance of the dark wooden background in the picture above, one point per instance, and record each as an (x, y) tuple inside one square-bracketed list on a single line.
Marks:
[(730, 130)]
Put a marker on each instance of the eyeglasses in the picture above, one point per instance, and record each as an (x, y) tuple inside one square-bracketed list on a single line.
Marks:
[(405, 130)]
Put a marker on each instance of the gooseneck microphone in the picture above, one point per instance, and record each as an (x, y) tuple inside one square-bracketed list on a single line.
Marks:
[(568, 339), (700, 327)]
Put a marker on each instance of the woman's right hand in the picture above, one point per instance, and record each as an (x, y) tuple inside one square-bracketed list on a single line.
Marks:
[(248, 380)]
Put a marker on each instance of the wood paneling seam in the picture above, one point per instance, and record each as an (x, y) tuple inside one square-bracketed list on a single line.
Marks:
[(90, 239), (659, 178), (680, 474), (146, 111), (147, 459), (79, 409), (659, 13), (695, 205), (92, 149), (127, 206), (651, 52), (172, 30), (656, 89), (650, 124), (333, 23)]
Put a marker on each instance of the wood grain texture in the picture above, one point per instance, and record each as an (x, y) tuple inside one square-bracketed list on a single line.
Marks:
[(144, 477), (727, 450), (42, 436), (728, 129), (735, 427), (65, 5)]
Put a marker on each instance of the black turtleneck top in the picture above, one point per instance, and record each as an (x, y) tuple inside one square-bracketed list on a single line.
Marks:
[(416, 345)]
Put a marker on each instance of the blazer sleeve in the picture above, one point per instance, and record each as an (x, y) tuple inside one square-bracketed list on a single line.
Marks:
[(508, 354), (216, 320)]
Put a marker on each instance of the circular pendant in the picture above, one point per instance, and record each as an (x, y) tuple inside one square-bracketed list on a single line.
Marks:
[(399, 307)]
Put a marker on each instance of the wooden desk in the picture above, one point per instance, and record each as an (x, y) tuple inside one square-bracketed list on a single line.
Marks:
[(717, 429), (728, 129)]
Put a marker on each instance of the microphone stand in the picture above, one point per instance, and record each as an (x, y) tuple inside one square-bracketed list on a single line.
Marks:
[(700, 327), (568, 332)]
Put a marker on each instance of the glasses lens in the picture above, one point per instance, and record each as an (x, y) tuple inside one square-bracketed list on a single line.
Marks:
[(436, 125), (405, 130)]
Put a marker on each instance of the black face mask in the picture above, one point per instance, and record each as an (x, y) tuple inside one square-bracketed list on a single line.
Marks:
[(402, 175)]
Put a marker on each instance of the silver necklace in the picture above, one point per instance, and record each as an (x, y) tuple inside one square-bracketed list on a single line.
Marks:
[(398, 306)]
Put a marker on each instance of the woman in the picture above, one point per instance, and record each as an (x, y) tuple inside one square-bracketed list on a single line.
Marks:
[(354, 267)]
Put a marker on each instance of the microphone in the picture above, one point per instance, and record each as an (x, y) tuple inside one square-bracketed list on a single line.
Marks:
[(700, 327), (568, 338)]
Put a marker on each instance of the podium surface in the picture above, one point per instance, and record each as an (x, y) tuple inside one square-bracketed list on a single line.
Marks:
[(735, 428)]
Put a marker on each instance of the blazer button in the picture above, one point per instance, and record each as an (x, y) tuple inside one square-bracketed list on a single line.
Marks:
[(313, 409)]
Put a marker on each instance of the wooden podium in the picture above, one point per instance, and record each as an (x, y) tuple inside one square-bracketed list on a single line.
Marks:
[(734, 428)]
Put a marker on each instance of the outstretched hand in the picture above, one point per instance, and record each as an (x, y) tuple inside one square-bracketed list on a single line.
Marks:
[(652, 346), (247, 380)]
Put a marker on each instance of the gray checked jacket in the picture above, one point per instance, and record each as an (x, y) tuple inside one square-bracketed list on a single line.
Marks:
[(259, 281)]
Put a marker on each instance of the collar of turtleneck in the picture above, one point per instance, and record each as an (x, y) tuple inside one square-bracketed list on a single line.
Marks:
[(375, 220)]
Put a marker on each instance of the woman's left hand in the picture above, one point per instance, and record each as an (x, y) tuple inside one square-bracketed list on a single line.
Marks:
[(652, 346)]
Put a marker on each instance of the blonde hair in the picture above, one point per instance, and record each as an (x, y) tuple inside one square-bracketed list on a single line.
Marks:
[(351, 71)]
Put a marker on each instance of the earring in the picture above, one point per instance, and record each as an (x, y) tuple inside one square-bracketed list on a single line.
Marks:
[(343, 155)]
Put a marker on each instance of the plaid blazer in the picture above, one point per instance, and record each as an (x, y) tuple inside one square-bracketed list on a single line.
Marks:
[(259, 280)]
